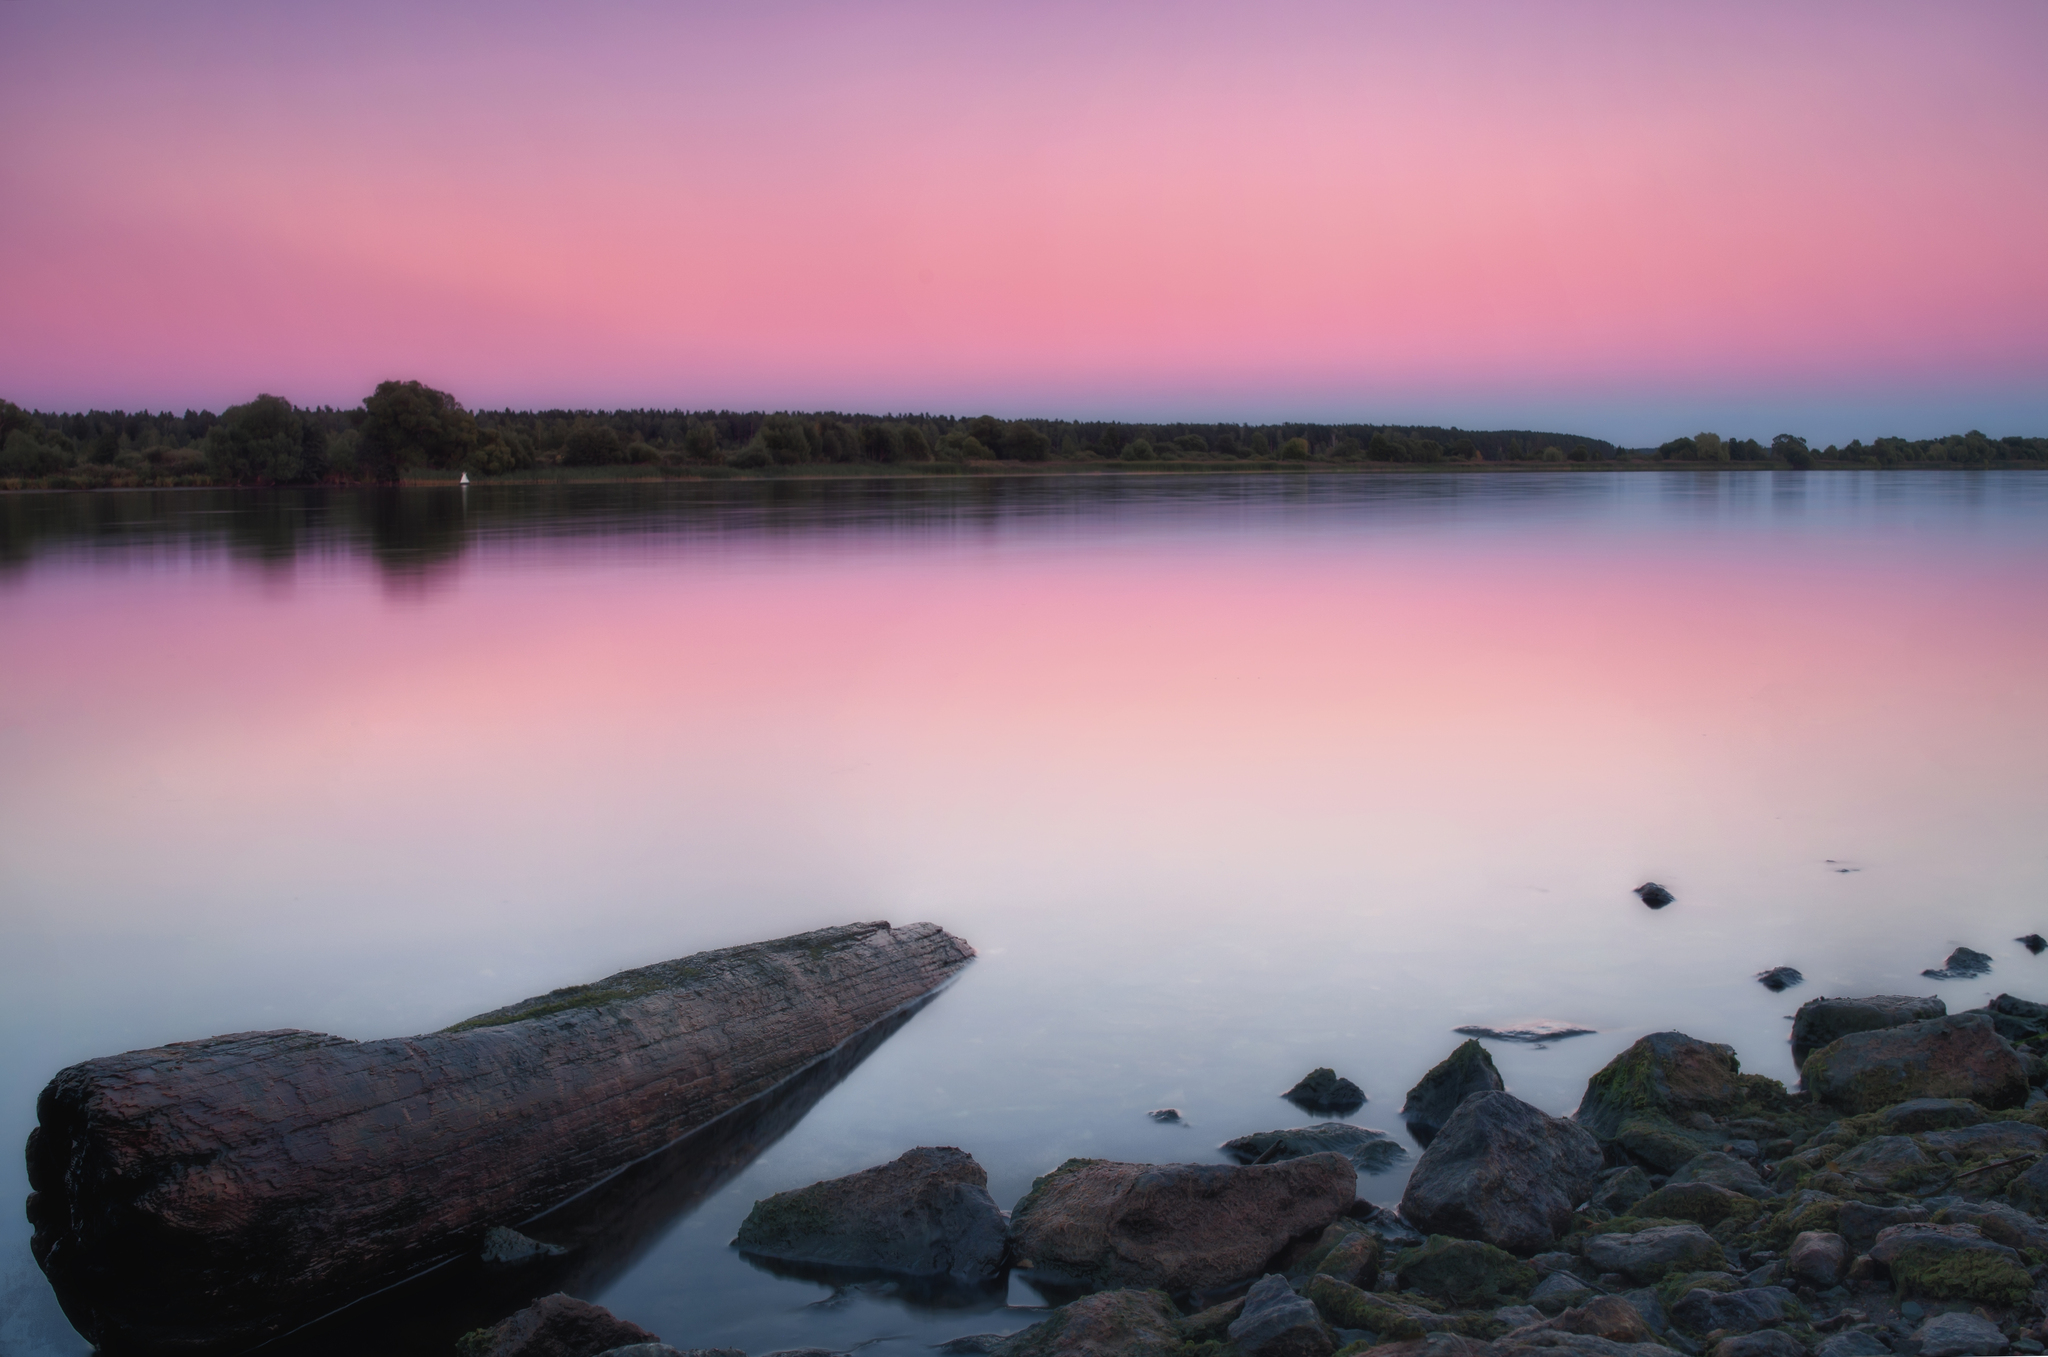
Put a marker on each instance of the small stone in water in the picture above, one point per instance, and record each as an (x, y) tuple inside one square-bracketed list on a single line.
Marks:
[(1323, 1090), (1962, 964), (1779, 979), (1166, 1114), (1654, 895), (1534, 1030), (2034, 943)]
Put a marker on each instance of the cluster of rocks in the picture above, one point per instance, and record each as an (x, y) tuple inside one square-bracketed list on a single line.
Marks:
[(1896, 1203)]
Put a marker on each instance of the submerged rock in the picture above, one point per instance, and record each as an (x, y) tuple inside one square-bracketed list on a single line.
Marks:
[(1962, 964), (2034, 943), (1821, 1021), (1961, 1056), (1778, 979), (927, 1214), (1134, 1323), (1166, 1115), (1277, 1323), (554, 1326), (1465, 1071), (509, 1248), (1654, 895), (1503, 1172), (1532, 1031), (1182, 1227), (1323, 1090), (1371, 1151)]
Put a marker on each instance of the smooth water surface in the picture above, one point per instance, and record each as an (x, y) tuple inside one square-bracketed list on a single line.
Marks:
[(1225, 777)]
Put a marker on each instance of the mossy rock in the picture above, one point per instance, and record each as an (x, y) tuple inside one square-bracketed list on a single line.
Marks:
[(1345, 1250), (1347, 1307), (1700, 1203), (1465, 1272), (1780, 1230), (1965, 1274), (1140, 1323), (1040, 1184), (1676, 1285), (1212, 1324)]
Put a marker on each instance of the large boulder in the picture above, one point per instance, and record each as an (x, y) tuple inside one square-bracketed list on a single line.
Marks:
[(1180, 1227), (1951, 1262), (1961, 1056), (1135, 1323), (1818, 1022), (1651, 1098), (1277, 1323), (927, 1214), (1465, 1071), (554, 1326), (1503, 1172), (1652, 1254), (1371, 1151)]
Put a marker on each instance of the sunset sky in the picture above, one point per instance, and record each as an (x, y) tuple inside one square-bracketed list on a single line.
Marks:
[(1624, 220)]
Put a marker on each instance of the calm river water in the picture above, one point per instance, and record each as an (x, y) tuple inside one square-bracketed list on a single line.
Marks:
[(1226, 778)]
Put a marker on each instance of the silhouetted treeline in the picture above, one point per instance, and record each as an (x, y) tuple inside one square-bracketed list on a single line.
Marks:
[(405, 428)]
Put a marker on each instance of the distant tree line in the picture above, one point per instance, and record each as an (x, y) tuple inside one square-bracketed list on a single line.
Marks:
[(407, 427)]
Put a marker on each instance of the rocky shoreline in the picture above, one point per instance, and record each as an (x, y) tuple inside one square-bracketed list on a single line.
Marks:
[(1895, 1203)]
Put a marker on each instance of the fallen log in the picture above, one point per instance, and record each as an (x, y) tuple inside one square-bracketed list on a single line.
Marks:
[(206, 1196)]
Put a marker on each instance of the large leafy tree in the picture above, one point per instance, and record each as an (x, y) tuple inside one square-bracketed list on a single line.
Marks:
[(266, 441), (408, 423)]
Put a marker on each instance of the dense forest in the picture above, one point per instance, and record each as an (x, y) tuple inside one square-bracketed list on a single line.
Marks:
[(406, 429)]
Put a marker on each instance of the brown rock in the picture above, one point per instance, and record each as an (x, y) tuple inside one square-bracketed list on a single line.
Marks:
[(1821, 1021), (927, 1214), (1819, 1258), (1961, 1056), (1180, 1227), (555, 1326), (1129, 1323), (1608, 1317), (278, 1175)]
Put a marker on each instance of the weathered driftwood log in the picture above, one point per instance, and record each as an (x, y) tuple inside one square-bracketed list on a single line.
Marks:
[(207, 1195)]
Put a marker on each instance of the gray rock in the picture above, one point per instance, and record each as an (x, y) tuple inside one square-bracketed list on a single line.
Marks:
[(1125, 1322), (1179, 1227), (1277, 1323), (2016, 1019), (1503, 1172), (1369, 1150), (1620, 1189), (927, 1214), (1649, 1255), (1873, 1163), (2034, 943), (1820, 1021), (664, 1350), (1999, 1223), (1547, 1263), (1167, 1116), (1465, 1071), (1769, 1343), (1743, 1311), (1646, 1304), (1853, 1343), (969, 1344), (1654, 895), (1959, 1334), (1778, 979), (1931, 1114), (508, 1248), (1322, 1090), (1515, 1316), (1559, 1291), (1819, 1258), (1722, 1170), (1860, 1223), (1918, 1255), (1995, 1139), (2029, 1191), (1962, 964), (1534, 1032), (1961, 1056), (560, 1323)]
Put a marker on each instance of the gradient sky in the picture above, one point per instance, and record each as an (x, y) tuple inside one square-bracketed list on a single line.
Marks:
[(1625, 220)]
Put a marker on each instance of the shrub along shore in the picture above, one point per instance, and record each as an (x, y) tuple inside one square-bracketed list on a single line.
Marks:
[(405, 432)]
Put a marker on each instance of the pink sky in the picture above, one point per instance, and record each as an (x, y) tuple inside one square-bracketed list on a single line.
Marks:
[(1632, 221)]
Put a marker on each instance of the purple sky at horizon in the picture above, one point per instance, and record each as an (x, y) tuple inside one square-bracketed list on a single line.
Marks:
[(1623, 221)]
